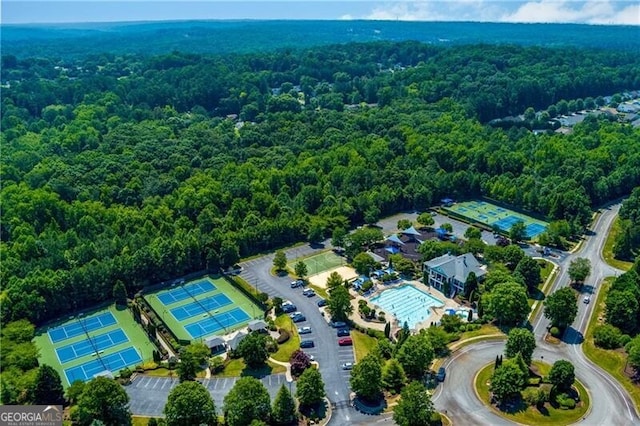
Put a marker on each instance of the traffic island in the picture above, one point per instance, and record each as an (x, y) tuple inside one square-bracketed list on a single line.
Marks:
[(537, 403)]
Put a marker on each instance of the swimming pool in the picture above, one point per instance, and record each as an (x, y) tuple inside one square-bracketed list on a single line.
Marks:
[(407, 303)]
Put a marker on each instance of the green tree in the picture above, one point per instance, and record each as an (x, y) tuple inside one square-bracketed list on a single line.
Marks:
[(74, 391), (190, 404), (404, 224), (48, 387), (366, 378), (517, 231), (280, 260), (425, 219), (470, 284), (520, 341), (415, 407), (447, 227), (507, 303), (253, 349), (529, 270), (633, 350), (507, 381), (363, 263), (338, 237), (283, 411), (562, 375), (579, 269), (393, 376), (120, 293), (473, 233), (561, 308), (339, 304), (622, 309), (512, 255), (301, 269), (188, 366), (416, 355), (248, 400), (310, 387), (334, 280), (103, 400), (607, 336)]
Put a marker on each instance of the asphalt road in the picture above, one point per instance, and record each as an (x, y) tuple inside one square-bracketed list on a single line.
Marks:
[(611, 405)]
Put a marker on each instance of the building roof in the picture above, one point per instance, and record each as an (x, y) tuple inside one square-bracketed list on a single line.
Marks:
[(213, 341), (235, 340), (456, 267), (375, 257), (257, 325)]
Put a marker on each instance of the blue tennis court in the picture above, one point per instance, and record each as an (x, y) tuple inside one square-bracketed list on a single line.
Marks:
[(506, 223), (114, 362), (533, 230), (217, 322), (74, 329), (101, 342), (182, 293), (201, 307)]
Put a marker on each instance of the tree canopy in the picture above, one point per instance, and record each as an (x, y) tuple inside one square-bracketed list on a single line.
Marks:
[(415, 407), (561, 308), (507, 303), (190, 404), (104, 400), (248, 400), (366, 377)]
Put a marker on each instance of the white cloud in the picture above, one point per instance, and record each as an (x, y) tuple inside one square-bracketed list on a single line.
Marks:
[(620, 12)]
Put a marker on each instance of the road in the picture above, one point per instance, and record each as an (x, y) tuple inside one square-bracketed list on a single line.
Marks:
[(611, 405)]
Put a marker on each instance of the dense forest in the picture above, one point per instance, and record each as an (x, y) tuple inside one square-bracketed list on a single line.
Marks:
[(142, 168)]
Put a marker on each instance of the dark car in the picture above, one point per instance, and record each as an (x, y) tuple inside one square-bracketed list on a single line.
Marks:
[(441, 374), (342, 332), (322, 303), (307, 344), (299, 318), (289, 308)]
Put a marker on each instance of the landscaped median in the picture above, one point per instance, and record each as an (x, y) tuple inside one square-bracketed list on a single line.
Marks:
[(286, 349), (613, 362), (607, 250)]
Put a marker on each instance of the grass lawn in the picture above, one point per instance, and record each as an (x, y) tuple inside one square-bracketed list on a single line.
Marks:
[(237, 368), (485, 330), (362, 344), (547, 275), (290, 346), (611, 361), (531, 415), (139, 420), (162, 372), (607, 251)]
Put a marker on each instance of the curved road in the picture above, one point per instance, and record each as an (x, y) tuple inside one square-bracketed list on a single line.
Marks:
[(611, 405)]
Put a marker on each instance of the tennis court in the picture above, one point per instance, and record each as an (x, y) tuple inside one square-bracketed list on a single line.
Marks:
[(186, 291), (202, 306), (77, 328), (113, 362), (88, 347), (320, 262), (498, 217), (218, 322)]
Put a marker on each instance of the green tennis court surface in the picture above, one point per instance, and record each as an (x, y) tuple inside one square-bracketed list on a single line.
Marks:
[(106, 339), (203, 307), (318, 263), (499, 217)]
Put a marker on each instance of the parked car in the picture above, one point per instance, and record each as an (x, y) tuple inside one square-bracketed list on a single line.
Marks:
[(307, 344), (309, 292), (322, 303), (304, 330), (338, 324), (345, 341), (287, 309), (311, 357), (343, 332), (441, 374), (347, 366), (298, 317), (297, 283)]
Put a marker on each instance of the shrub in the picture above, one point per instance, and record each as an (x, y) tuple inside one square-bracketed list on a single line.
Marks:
[(283, 337), (555, 332), (534, 396), (366, 286), (624, 339), (435, 419), (216, 364), (565, 401), (382, 317), (172, 362), (607, 336), (125, 373)]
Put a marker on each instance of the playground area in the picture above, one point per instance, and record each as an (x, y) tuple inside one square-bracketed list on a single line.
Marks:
[(497, 217), (203, 307), (98, 342)]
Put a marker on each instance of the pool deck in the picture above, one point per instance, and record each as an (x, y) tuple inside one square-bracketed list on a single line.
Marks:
[(435, 312)]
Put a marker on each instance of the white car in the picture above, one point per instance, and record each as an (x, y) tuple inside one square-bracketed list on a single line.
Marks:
[(309, 292), (586, 300), (304, 330), (347, 366)]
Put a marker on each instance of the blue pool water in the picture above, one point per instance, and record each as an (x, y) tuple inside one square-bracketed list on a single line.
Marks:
[(407, 303)]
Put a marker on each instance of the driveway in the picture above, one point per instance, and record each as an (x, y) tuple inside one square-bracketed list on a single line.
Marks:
[(148, 395)]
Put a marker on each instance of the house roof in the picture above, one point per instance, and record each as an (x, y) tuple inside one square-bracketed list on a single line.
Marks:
[(375, 257), (456, 267), (235, 340), (213, 341)]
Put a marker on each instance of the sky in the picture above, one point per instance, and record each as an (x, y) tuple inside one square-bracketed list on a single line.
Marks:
[(610, 12)]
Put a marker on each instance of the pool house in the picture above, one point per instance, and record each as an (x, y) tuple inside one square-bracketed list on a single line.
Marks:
[(453, 270)]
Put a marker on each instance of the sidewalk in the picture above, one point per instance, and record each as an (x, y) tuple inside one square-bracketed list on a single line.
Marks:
[(288, 375)]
